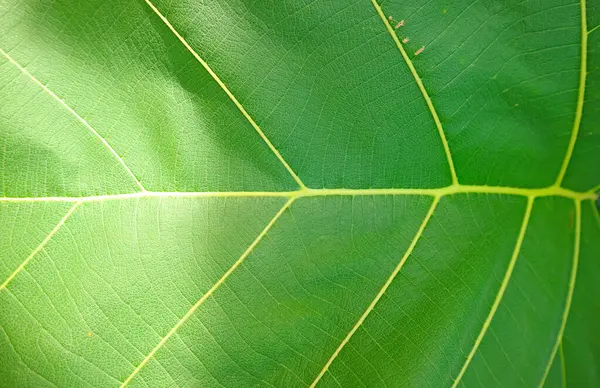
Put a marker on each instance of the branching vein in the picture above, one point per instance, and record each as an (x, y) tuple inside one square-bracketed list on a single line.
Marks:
[(228, 92), (411, 66), (41, 246), (208, 293), (77, 116), (501, 291), (563, 367), (580, 96), (381, 291), (570, 291)]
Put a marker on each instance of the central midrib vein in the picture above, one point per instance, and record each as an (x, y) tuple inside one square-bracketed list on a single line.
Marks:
[(308, 192)]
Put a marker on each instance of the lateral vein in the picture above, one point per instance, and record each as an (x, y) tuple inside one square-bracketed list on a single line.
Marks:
[(570, 291), (77, 116), (208, 293), (228, 92), (501, 291), (40, 246), (381, 291), (580, 96), (419, 82), (563, 367)]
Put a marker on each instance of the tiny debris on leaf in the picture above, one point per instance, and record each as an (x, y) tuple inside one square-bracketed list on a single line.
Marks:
[(405, 40), (419, 51), (400, 24)]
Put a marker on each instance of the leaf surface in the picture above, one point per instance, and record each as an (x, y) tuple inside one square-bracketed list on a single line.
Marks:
[(300, 193)]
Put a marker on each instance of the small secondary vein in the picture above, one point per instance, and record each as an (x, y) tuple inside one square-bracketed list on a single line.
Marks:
[(228, 92), (563, 367), (208, 293), (381, 291), (77, 116), (40, 246), (501, 291), (580, 97), (570, 291), (413, 70)]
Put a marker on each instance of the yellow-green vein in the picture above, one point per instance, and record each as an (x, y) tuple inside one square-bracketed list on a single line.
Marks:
[(208, 293), (381, 291), (77, 116), (580, 96), (306, 192), (570, 291), (41, 245), (411, 66), (563, 367), (501, 291), (228, 92)]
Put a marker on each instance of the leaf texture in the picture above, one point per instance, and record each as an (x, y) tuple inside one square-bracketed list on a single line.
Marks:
[(299, 193)]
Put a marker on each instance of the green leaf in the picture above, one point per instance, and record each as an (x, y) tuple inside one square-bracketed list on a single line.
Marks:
[(297, 193)]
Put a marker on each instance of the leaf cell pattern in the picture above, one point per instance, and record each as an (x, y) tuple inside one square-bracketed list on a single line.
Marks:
[(299, 194)]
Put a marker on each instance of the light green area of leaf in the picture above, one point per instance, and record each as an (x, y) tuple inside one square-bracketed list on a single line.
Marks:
[(299, 193)]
